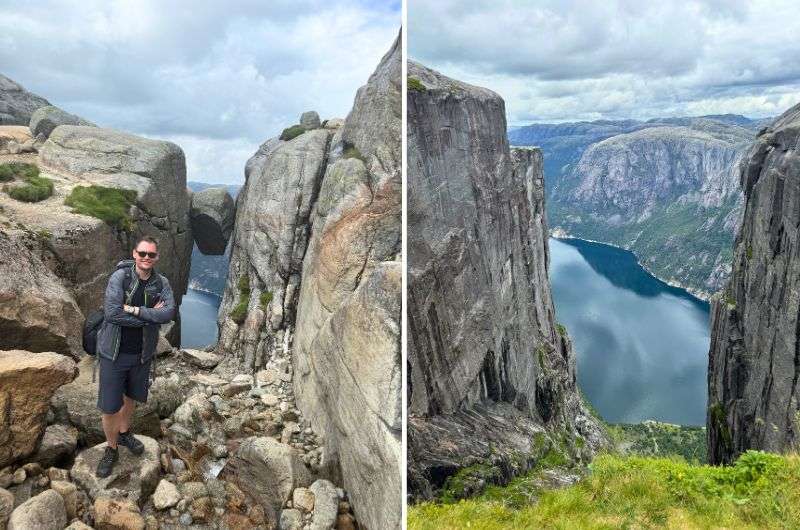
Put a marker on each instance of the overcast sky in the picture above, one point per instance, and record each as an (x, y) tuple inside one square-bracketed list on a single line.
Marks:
[(216, 77), (575, 60)]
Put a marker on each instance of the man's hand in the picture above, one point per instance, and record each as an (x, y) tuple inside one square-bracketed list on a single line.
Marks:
[(159, 305)]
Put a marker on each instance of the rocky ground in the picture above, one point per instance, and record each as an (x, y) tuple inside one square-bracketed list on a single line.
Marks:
[(223, 450)]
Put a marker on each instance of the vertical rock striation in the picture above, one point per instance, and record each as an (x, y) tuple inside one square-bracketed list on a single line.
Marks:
[(316, 249), (754, 361), (489, 367)]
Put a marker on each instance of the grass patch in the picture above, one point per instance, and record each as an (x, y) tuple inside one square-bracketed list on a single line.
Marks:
[(416, 85), (265, 299), (239, 313), (17, 170), (760, 491), (292, 132), (35, 189), (109, 204), (561, 330)]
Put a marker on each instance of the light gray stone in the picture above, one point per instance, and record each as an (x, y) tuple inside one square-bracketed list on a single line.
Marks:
[(310, 120), (291, 519), (326, 505), (68, 492), (133, 476), (201, 358), (47, 118), (166, 495), (45, 511), (57, 444), (303, 499)]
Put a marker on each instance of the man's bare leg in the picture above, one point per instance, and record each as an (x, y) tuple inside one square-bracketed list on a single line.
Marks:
[(125, 414), (111, 428)]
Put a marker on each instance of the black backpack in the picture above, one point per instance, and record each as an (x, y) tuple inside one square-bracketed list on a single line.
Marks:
[(94, 320)]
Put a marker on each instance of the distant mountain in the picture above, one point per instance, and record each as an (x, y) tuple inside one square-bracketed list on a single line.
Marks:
[(208, 273), (667, 189)]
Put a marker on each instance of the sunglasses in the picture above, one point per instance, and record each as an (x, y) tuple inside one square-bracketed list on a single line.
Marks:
[(151, 255)]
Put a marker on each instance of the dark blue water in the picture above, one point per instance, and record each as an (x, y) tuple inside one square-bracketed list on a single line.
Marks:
[(642, 345), (199, 319)]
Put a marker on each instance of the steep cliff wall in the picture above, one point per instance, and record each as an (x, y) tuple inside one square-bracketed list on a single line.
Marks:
[(17, 105), (489, 368), (316, 251), (754, 361)]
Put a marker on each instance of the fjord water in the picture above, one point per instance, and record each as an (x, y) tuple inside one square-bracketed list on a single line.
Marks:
[(641, 345), (199, 319)]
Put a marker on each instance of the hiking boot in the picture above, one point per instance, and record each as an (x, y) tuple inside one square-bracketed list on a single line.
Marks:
[(128, 440), (106, 464)]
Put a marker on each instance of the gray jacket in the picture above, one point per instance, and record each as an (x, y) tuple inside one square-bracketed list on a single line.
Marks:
[(110, 334)]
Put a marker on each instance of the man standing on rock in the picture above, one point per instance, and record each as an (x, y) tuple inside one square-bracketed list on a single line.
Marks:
[(137, 301)]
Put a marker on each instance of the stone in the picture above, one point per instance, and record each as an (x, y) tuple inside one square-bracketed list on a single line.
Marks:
[(303, 499), (117, 514), (753, 394), (17, 105), (133, 476), (291, 519), (166, 495), (200, 358), (267, 377), (6, 506), (78, 525), (208, 380), (15, 134), (33, 469), (55, 473), (212, 215), (47, 118), (185, 519), (232, 389), (465, 279), (334, 123), (57, 445), (76, 404), (45, 511), (202, 509), (193, 413), (194, 490), (68, 492), (269, 400), (269, 471), (27, 382), (310, 120), (326, 505)]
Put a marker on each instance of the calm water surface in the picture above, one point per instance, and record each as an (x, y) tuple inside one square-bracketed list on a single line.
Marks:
[(199, 319), (642, 346)]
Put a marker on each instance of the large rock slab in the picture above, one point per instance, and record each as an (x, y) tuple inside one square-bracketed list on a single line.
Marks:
[(37, 312), (45, 511), (17, 105), (76, 404), (481, 319), (269, 471), (11, 135), (56, 446), (45, 119), (27, 381), (156, 170), (133, 477), (212, 216), (753, 390)]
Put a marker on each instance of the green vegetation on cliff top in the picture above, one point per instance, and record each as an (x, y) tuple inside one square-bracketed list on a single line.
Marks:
[(760, 491), (109, 204)]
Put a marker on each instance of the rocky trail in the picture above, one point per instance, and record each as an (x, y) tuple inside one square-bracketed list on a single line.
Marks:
[(223, 450)]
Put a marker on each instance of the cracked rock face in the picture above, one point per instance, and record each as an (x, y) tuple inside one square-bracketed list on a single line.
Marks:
[(316, 248), (754, 361), (17, 105), (482, 326)]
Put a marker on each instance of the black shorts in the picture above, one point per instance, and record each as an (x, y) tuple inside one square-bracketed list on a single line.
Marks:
[(125, 376)]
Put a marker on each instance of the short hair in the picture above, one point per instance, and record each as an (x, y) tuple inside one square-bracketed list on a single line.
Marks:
[(148, 239)]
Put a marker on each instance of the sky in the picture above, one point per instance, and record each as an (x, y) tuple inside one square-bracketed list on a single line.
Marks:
[(572, 60), (217, 78)]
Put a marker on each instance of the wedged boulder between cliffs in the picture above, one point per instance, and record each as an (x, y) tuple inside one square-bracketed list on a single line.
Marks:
[(27, 382), (212, 213)]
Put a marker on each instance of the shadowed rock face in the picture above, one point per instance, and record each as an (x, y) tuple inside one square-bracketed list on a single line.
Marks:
[(481, 321), (17, 105), (754, 361), (212, 220), (316, 249)]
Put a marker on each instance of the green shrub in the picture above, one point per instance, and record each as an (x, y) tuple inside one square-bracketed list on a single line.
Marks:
[(292, 132), (265, 299), (109, 204), (239, 313), (351, 151), (416, 85), (749, 252), (35, 189), (11, 170), (561, 330)]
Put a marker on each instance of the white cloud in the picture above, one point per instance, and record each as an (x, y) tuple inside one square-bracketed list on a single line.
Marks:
[(219, 76), (581, 60)]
